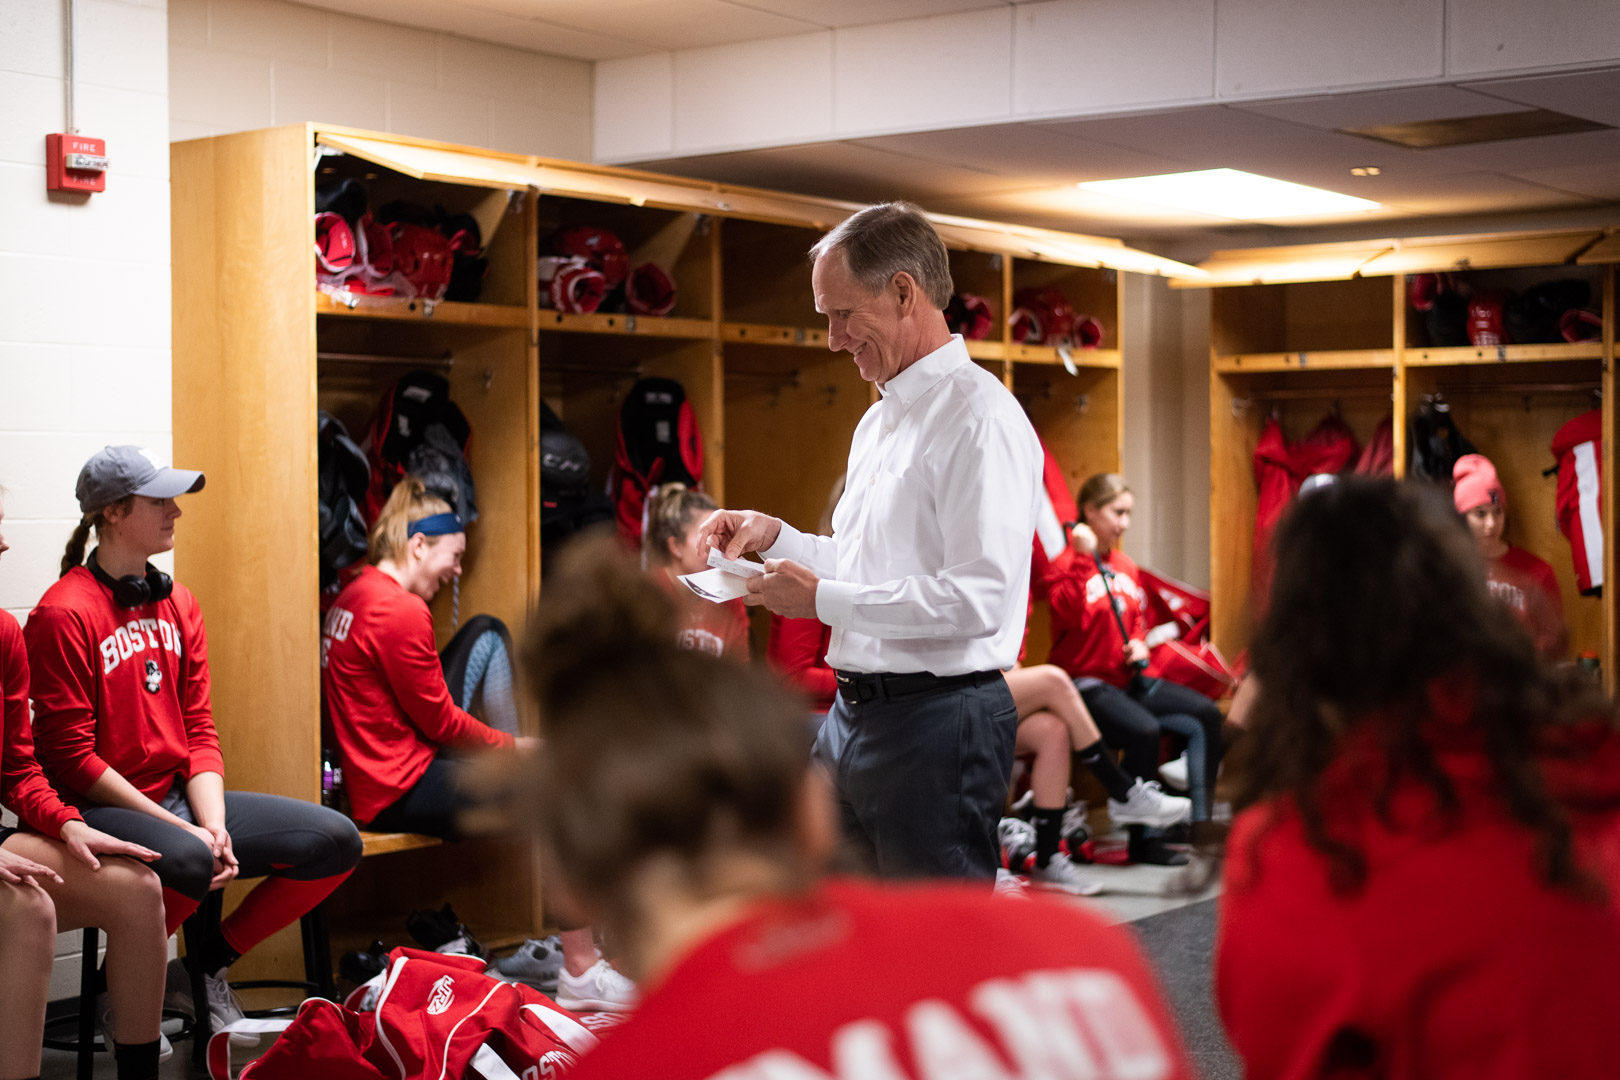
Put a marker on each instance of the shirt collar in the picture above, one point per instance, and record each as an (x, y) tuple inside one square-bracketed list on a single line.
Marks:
[(911, 384)]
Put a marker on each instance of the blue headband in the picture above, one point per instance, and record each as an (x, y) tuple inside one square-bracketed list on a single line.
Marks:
[(435, 525)]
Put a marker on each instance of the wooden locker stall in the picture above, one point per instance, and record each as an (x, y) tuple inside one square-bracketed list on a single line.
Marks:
[(1287, 345), (258, 349)]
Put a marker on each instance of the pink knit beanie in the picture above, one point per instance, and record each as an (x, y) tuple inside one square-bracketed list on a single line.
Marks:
[(1476, 483)]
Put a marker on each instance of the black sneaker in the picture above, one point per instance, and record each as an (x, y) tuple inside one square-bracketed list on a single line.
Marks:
[(1153, 851), (361, 967), (432, 929)]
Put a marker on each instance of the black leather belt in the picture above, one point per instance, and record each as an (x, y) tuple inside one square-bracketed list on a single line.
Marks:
[(856, 687)]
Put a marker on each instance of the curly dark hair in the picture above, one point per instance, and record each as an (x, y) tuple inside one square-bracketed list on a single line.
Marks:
[(1379, 590)]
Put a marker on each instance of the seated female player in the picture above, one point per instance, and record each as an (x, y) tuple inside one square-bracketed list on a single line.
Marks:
[(674, 792), (669, 546), (59, 874), (1424, 880), (125, 727), (1522, 581), (1054, 725), (397, 727), (1097, 631)]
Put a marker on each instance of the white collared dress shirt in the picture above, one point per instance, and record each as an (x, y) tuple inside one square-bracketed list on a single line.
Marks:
[(928, 565)]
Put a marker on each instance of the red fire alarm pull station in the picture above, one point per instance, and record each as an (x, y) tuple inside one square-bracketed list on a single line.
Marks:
[(75, 163)]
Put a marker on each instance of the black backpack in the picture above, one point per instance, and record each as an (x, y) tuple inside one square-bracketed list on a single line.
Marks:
[(342, 478), (420, 431), (1434, 444), (568, 505)]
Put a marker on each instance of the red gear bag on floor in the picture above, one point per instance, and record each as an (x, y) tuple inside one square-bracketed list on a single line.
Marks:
[(438, 1017)]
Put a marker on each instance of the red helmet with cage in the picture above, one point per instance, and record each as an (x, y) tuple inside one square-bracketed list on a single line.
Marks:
[(969, 314), (649, 291), (1487, 318), (334, 244), (423, 258), (1042, 316), (1087, 332), (1581, 324), (1421, 289), (600, 248)]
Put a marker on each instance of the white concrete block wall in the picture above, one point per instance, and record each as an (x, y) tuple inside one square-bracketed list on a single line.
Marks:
[(1053, 59), (84, 345), (236, 65)]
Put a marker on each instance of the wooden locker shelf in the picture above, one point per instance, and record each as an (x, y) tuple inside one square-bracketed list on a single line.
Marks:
[(404, 308), (1046, 354), (809, 337), (1496, 354), (625, 325), (1300, 361)]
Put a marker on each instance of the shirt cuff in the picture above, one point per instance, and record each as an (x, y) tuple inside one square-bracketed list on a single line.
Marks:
[(81, 775), (206, 760), (835, 602), (789, 545), (59, 821)]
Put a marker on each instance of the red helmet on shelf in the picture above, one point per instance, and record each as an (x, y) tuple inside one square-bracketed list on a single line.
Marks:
[(649, 291), (1487, 318), (334, 244), (600, 248), (1421, 289), (1581, 324), (1042, 317), (423, 258), (969, 314), (572, 285), (1086, 333)]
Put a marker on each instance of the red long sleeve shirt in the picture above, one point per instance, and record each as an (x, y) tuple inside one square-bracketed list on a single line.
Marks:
[(23, 787), (385, 694), (841, 982), (1086, 639), (120, 688), (1527, 585), (1453, 961), (797, 650)]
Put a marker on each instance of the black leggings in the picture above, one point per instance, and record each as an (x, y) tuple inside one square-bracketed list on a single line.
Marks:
[(1134, 725), (270, 834), (432, 806)]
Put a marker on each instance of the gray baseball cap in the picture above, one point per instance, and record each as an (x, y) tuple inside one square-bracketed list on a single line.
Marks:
[(116, 472)]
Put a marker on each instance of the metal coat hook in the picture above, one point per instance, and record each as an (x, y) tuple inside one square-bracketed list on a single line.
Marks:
[(1082, 403), (489, 379), (1240, 405)]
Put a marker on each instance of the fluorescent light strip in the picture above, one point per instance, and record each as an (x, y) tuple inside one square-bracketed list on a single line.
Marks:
[(1233, 194)]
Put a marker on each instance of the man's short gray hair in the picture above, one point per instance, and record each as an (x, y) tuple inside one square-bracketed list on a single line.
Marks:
[(881, 241)]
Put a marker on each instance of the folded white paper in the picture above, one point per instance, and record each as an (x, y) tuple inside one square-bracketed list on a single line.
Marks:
[(716, 586), (740, 567)]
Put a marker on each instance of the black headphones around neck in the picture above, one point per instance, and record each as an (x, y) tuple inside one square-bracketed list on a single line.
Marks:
[(134, 590)]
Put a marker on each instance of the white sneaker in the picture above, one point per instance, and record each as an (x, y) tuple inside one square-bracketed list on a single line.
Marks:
[(104, 1022), (1009, 884), (224, 1007), (1147, 804), (1174, 773), (536, 962), (1061, 874), (600, 989)]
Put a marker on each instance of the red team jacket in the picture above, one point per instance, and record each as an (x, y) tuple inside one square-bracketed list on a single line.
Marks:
[(1085, 638), (23, 787), (120, 688), (797, 651), (384, 692), (1454, 960), (843, 983)]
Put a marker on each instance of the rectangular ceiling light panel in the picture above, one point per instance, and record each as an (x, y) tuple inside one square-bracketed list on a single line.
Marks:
[(1232, 194)]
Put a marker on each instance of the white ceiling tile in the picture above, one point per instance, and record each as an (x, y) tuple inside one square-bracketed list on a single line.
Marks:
[(1487, 193), (1593, 181), (1409, 106), (1028, 154), (1263, 46), (1549, 152), (1082, 56), (838, 13), (1594, 95), (665, 24), (843, 170), (1486, 36)]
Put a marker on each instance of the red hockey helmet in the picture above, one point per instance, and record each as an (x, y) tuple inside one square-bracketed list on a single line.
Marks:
[(1581, 324), (1487, 318), (1051, 316), (969, 314), (1087, 332), (1421, 289), (649, 291), (334, 244), (1025, 326), (578, 289), (599, 247), (423, 258)]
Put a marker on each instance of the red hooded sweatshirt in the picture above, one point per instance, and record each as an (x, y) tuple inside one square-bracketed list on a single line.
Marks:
[(23, 787), (385, 695), (1453, 959), (121, 688), (1086, 638)]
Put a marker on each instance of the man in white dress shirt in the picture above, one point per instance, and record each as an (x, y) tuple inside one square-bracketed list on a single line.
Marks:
[(925, 579)]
